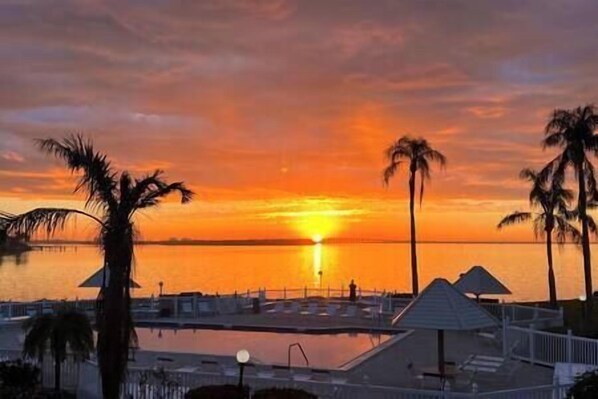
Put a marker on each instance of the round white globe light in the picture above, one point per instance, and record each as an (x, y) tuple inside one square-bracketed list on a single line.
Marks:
[(243, 356)]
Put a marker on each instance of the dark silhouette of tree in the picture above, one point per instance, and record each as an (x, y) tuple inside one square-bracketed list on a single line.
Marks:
[(417, 154), (574, 132), (56, 332), (113, 199), (549, 203)]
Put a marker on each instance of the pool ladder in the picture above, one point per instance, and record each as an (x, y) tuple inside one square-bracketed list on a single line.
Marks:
[(297, 344)]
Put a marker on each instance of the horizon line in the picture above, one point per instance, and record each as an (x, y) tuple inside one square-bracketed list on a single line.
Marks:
[(288, 241)]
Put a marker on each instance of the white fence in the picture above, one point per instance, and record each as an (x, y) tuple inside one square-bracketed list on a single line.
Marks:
[(525, 315), (546, 348), (145, 384)]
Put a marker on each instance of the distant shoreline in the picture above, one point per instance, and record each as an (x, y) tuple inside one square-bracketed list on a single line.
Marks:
[(287, 242)]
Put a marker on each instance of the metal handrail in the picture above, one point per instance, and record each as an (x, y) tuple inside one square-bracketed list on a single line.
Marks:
[(297, 344)]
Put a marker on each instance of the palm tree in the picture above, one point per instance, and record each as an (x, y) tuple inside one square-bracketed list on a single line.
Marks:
[(65, 329), (418, 154), (574, 131), (551, 200), (114, 198)]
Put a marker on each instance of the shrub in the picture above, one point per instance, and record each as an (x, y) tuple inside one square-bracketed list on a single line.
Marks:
[(585, 387), (283, 393), (218, 392), (18, 379)]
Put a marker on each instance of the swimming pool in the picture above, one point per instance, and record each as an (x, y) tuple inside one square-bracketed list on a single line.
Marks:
[(323, 350)]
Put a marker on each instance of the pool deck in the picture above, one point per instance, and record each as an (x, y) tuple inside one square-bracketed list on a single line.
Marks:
[(387, 367)]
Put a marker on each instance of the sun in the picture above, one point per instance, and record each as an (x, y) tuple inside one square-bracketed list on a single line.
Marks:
[(317, 238)]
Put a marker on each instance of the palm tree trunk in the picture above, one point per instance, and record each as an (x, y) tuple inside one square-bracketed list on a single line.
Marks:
[(414, 277), (585, 237), (551, 279), (57, 375), (115, 322)]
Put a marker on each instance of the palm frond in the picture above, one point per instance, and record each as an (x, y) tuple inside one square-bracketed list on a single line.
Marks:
[(389, 172), (153, 196), (39, 332), (48, 219), (98, 178), (566, 231), (435, 156), (514, 218)]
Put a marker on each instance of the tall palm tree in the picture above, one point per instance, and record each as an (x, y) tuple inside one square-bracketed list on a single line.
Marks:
[(551, 200), (418, 154), (574, 132), (113, 200), (57, 332)]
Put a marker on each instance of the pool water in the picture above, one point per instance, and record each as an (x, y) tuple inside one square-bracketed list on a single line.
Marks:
[(322, 350)]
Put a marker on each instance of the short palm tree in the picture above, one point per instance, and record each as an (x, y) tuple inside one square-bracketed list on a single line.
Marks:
[(418, 154), (62, 332), (113, 200), (551, 202), (574, 132)]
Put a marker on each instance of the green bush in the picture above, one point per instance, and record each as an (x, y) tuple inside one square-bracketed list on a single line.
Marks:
[(217, 392), (283, 393), (18, 379), (585, 387)]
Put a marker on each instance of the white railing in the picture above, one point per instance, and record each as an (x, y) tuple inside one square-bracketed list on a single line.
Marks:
[(525, 315), (538, 392), (193, 305), (548, 348), (145, 384)]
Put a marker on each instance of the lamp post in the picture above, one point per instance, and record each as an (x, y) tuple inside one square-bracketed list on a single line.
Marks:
[(582, 299), (161, 284), (242, 359)]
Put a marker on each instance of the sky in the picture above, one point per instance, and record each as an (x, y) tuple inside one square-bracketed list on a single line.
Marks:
[(277, 113)]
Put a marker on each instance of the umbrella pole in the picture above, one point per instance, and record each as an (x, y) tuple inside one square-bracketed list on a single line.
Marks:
[(441, 353)]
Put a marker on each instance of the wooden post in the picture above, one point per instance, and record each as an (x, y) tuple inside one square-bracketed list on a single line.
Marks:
[(176, 306)]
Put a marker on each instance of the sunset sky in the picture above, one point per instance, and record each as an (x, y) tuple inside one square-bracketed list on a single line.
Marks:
[(277, 113)]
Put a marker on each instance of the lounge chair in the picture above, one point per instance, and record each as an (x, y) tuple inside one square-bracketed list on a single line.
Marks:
[(330, 311), (351, 311), (187, 369), (278, 308), (312, 309), (230, 368), (295, 306), (320, 375), (282, 372), (301, 374), (265, 371), (338, 377), (418, 379), (210, 366)]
